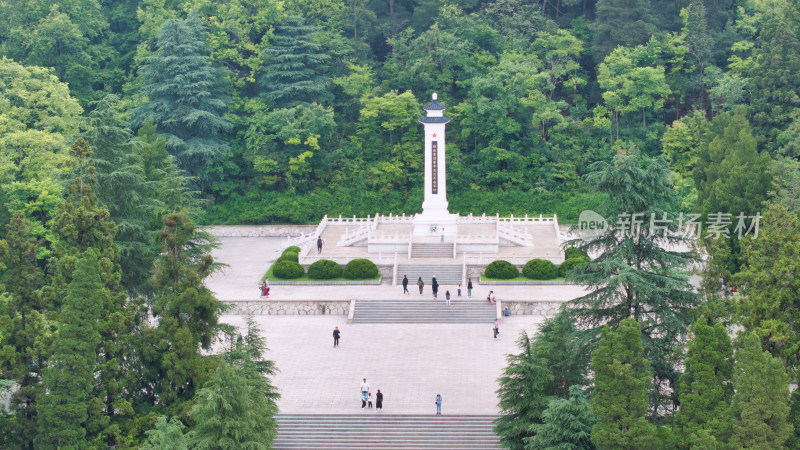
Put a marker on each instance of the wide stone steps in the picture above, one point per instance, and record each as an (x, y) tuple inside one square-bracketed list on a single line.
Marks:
[(379, 431), (446, 274), (426, 250), (460, 310)]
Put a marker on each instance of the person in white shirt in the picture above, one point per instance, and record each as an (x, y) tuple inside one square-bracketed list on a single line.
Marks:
[(365, 386)]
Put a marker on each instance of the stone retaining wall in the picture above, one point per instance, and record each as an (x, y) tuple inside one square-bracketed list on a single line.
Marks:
[(260, 230), (289, 308), (532, 308), (326, 283), (525, 283)]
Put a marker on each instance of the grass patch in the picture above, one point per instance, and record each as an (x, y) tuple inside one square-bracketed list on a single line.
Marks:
[(519, 278), (305, 277)]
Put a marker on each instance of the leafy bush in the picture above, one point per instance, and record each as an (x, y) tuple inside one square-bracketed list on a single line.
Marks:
[(502, 270), (540, 269), (569, 264), (288, 270), (289, 256), (360, 269), (291, 249), (573, 252), (324, 269)]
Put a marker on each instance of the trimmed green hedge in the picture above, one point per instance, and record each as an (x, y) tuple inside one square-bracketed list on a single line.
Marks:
[(573, 252), (540, 269), (289, 256), (571, 263), (361, 269), (291, 249), (324, 269), (288, 270), (502, 270)]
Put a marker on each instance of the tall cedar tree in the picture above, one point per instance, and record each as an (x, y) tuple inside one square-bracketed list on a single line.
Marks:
[(523, 395), (760, 403), (121, 186), (705, 389), (775, 95), (247, 354), (23, 349), (557, 342), (185, 96), (293, 66), (567, 424), (621, 375), (187, 314), (166, 435), (230, 413), (635, 276), (626, 23), (770, 295), (69, 374), (731, 178), (82, 224)]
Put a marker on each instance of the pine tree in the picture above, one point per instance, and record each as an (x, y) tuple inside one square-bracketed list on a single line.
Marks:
[(761, 399), (635, 276), (23, 349), (247, 354), (705, 389), (230, 412), (523, 395), (186, 310), (69, 374), (557, 342), (293, 66), (624, 23), (621, 375), (567, 424), (185, 96), (166, 435)]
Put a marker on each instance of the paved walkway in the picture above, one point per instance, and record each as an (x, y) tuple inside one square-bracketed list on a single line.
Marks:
[(409, 363), (247, 260)]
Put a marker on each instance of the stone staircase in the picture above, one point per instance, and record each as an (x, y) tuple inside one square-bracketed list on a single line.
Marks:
[(413, 310), (378, 431), (446, 274), (429, 250)]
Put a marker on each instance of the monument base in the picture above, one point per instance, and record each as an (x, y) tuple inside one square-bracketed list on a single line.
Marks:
[(432, 224)]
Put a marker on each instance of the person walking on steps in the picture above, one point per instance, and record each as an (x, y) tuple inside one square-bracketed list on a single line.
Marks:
[(490, 297), (459, 290), (442, 240), (496, 328), (469, 288), (447, 297), (336, 335), (379, 401), (420, 283), (319, 244), (435, 287), (438, 404), (405, 284)]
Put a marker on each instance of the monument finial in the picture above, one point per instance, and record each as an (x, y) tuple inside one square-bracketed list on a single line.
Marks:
[(434, 96)]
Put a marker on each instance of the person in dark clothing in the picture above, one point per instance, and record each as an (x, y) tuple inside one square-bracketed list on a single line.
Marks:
[(336, 335), (435, 287), (420, 283), (319, 244), (469, 288), (405, 284), (379, 401)]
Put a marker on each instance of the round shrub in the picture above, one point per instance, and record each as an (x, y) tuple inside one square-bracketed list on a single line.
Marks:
[(573, 252), (324, 269), (291, 249), (360, 269), (289, 256), (540, 269), (568, 264), (502, 270), (288, 270)]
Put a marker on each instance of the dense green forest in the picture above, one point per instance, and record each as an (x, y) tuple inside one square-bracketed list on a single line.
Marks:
[(125, 123)]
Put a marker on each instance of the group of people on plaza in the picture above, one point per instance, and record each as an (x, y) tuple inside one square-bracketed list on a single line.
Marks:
[(264, 286), (435, 288), (366, 399)]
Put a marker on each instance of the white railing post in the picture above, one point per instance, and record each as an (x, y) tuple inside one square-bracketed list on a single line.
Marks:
[(409, 248), (394, 271)]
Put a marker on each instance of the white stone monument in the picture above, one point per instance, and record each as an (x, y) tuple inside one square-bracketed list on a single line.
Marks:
[(435, 218)]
